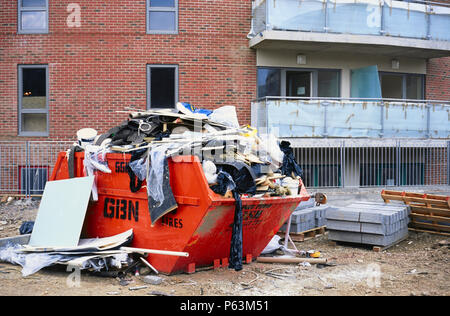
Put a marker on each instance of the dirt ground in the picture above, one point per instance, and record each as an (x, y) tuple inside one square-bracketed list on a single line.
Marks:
[(418, 265)]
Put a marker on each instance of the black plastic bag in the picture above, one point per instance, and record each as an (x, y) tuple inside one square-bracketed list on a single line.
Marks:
[(289, 165), (226, 182), (26, 228)]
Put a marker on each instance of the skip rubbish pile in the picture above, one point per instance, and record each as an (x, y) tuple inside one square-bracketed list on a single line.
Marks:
[(236, 161)]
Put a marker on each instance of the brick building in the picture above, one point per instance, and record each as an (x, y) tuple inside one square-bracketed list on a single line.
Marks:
[(99, 57), (67, 65)]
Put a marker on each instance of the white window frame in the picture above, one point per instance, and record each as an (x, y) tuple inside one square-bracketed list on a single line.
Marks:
[(149, 78), (32, 111), (161, 9), (21, 9)]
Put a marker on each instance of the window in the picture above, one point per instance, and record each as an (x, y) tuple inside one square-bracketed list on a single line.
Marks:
[(328, 84), (402, 86), (162, 86), (32, 16), (298, 82), (268, 82), (33, 100), (162, 16)]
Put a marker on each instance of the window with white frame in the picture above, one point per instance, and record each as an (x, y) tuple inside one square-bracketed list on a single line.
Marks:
[(162, 86), (32, 16), (162, 16), (33, 100)]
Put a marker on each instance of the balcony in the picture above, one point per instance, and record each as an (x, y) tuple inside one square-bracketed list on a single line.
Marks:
[(399, 28), (351, 118)]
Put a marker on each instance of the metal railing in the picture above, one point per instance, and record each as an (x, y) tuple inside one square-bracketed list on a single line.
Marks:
[(409, 19), (347, 163), (25, 166)]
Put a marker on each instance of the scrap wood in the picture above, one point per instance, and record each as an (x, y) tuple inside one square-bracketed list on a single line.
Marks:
[(417, 198), (429, 212)]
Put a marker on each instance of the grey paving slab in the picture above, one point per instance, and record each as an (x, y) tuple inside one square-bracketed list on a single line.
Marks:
[(370, 228), (369, 239), (301, 227)]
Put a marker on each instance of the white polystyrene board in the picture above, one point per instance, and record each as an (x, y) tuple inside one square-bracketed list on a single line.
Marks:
[(61, 213)]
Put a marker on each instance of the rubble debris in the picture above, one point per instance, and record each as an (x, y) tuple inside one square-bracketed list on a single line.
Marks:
[(153, 280), (136, 288), (94, 254)]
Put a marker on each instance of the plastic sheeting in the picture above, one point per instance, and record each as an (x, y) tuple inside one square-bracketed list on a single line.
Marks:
[(31, 263)]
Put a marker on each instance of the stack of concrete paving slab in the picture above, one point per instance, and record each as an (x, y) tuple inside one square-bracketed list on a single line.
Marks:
[(307, 216), (368, 223)]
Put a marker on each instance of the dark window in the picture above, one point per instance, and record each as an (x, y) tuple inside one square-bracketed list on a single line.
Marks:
[(328, 84), (298, 82), (414, 87), (33, 100), (162, 16), (402, 86), (162, 86), (32, 16), (268, 82)]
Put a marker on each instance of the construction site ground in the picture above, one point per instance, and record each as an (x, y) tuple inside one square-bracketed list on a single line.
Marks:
[(419, 265)]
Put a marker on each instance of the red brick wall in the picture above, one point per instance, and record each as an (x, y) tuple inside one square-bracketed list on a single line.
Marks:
[(438, 79), (100, 67), (436, 166)]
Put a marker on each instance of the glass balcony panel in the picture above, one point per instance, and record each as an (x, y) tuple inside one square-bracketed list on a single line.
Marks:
[(296, 15), (440, 24), (293, 118), (354, 18), (405, 19), (358, 17)]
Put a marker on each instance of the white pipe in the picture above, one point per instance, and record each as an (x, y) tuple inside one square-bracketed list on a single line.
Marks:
[(156, 252)]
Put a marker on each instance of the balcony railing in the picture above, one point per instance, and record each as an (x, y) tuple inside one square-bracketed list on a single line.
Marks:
[(418, 19), (288, 117)]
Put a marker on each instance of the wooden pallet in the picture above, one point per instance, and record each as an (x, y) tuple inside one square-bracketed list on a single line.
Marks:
[(306, 235), (429, 212), (374, 247)]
